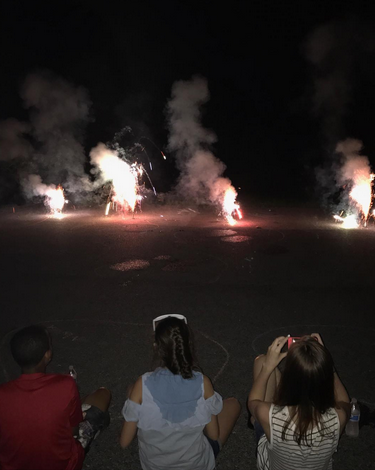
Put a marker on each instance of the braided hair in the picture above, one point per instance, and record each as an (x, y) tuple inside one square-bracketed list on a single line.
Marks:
[(175, 349)]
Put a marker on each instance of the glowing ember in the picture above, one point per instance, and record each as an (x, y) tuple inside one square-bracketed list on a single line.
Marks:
[(55, 200), (230, 208)]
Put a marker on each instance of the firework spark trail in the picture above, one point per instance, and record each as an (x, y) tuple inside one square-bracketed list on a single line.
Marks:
[(201, 172), (356, 170)]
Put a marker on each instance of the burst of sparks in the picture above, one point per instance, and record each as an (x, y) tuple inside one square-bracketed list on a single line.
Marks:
[(361, 194), (55, 200), (124, 180), (347, 222), (350, 222), (230, 206)]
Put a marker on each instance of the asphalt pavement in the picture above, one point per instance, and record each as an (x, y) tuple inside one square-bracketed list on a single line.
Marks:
[(97, 282)]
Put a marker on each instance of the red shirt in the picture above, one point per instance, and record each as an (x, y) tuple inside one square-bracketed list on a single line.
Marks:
[(37, 414)]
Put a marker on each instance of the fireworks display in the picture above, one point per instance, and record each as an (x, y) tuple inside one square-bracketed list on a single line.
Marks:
[(230, 207), (51, 144), (55, 200), (356, 177), (124, 177)]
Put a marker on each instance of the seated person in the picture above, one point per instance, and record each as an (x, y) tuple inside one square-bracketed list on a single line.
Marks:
[(181, 421), (301, 412), (41, 413)]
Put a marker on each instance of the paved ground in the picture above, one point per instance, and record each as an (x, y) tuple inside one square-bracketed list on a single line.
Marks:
[(97, 283)]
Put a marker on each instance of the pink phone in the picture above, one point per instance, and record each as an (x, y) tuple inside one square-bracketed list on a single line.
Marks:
[(293, 339)]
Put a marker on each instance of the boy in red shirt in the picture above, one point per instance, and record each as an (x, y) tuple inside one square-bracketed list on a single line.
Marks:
[(41, 413)]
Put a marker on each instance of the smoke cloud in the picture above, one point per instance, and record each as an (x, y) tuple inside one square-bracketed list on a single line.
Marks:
[(336, 50), (347, 184), (59, 113), (201, 178), (50, 145), (33, 186), (356, 167), (13, 141)]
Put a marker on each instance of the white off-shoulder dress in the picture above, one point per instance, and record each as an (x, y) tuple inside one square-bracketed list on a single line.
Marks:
[(171, 420)]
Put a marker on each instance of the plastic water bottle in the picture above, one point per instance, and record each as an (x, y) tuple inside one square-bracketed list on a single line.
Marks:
[(352, 426), (73, 373)]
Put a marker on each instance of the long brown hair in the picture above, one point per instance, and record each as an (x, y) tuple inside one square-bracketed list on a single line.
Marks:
[(175, 347), (306, 385)]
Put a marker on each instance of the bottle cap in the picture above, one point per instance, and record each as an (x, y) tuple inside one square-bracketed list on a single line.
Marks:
[(354, 400)]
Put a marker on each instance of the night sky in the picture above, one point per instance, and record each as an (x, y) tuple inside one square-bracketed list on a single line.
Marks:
[(272, 130)]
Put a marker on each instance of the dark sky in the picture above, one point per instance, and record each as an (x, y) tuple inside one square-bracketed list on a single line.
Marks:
[(252, 53)]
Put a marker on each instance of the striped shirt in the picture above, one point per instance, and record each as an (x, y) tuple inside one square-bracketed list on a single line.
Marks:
[(279, 454)]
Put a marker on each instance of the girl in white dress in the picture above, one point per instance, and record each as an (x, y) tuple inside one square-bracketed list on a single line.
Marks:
[(181, 421)]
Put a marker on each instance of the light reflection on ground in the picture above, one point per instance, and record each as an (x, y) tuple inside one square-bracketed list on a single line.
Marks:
[(222, 233), (236, 239), (131, 265)]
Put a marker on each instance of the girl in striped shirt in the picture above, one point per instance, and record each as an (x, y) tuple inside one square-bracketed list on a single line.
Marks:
[(298, 414)]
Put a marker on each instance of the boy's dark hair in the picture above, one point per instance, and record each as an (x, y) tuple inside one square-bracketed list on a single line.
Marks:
[(29, 345)]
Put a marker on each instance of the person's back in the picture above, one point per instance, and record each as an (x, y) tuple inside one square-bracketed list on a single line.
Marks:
[(37, 414), (283, 452), (171, 420), (299, 413), (180, 420)]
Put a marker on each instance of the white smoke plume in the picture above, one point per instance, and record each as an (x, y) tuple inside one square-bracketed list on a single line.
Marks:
[(201, 172), (51, 143), (106, 163), (53, 197), (336, 50), (13, 143), (356, 166), (33, 186), (59, 111)]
